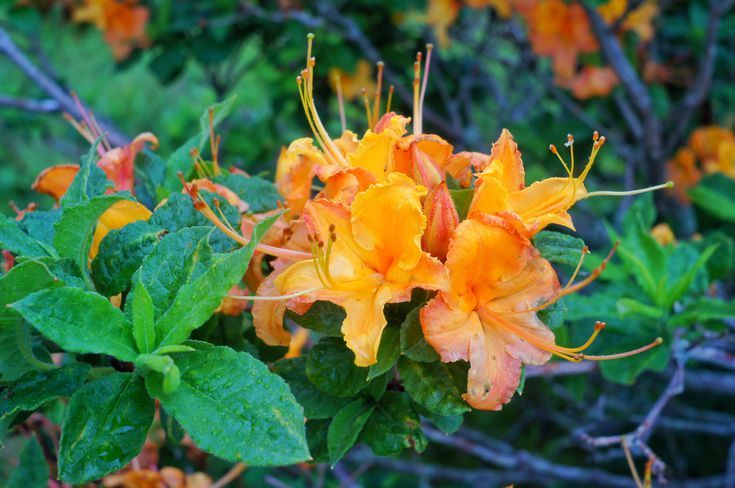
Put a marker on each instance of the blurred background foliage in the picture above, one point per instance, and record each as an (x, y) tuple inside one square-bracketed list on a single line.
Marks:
[(488, 73)]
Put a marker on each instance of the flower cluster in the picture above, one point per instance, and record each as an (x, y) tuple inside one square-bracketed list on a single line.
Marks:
[(383, 223)]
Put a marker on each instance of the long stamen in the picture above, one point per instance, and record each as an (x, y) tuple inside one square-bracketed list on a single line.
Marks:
[(607, 357), (390, 99), (585, 251), (213, 143), (341, 102), (599, 141), (85, 117), (81, 129), (424, 82), (570, 145), (201, 205), (555, 152), (222, 215), (668, 184), (315, 252), (367, 108), (98, 129), (378, 92), (416, 94), (275, 298)]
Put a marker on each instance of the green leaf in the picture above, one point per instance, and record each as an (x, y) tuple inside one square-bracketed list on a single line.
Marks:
[(234, 408), (323, 317), (627, 370), (449, 424), (331, 367), (316, 403), (431, 386), (316, 436), (164, 365), (261, 195), (413, 343), (89, 181), (32, 470), (178, 212), (39, 224), (553, 315), (173, 349), (462, 200), (394, 426), (79, 321), (686, 279), (121, 253), (22, 280), (13, 239), (629, 306), (38, 387), (346, 426), (197, 300), (388, 352), (705, 309), (144, 332), (75, 228), (104, 427), (715, 194), (559, 248), (644, 259), (181, 160)]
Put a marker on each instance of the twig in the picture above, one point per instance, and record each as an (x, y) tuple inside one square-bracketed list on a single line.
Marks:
[(50, 87), (229, 476), (41, 106)]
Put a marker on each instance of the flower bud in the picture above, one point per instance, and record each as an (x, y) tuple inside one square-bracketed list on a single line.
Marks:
[(441, 220)]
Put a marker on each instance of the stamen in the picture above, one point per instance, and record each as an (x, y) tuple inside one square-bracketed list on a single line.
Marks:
[(416, 94), (424, 82), (276, 298), (222, 215), (607, 357), (340, 102), (97, 128), (390, 99), (570, 145), (668, 184), (555, 152), (378, 90), (213, 143), (80, 128), (85, 117), (585, 251), (367, 109)]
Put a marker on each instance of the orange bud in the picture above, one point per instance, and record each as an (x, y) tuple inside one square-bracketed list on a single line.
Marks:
[(441, 220)]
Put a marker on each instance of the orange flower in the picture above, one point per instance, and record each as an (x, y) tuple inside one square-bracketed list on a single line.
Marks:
[(122, 21), (354, 83), (118, 163), (706, 141), (54, 181), (295, 172), (425, 158), (440, 15), (559, 30), (639, 20), (494, 273), (441, 220), (683, 171), (593, 81), (363, 258)]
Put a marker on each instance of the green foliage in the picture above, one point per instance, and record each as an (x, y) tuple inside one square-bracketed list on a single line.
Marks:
[(233, 407), (105, 425), (715, 194), (345, 427), (32, 470), (331, 367)]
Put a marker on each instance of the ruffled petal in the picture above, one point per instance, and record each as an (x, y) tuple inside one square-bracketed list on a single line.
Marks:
[(268, 315), (54, 181), (505, 152), (117, 216)]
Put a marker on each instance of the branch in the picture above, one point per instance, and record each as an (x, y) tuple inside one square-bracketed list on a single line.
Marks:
[(695, 95), (41, 106), (51, 88)]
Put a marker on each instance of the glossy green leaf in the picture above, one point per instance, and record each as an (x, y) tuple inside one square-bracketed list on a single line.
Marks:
[(715, 194), (388, 352), (32, 470), (316, 403), (234, 408), (79, 321), (346, 426), (331, 367), (413, 343), (13, 239), (144, 332), (431, 386), (394, 426), (559, 248), (104, 427), (196, 301), (121, 253), (75, 228), (261, 195), (38, 387), (323, 317)]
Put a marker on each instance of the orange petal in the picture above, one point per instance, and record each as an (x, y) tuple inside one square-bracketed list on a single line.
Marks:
[(268, 315), (119, 163), (295, 172), (547, 201), (375, 151), (388, 221), (229, 195), (54, 181), (494, 374), (505, 152), (441, 220)]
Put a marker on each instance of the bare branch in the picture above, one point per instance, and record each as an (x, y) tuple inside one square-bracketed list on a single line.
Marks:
[(40, 106), (51, 88)]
